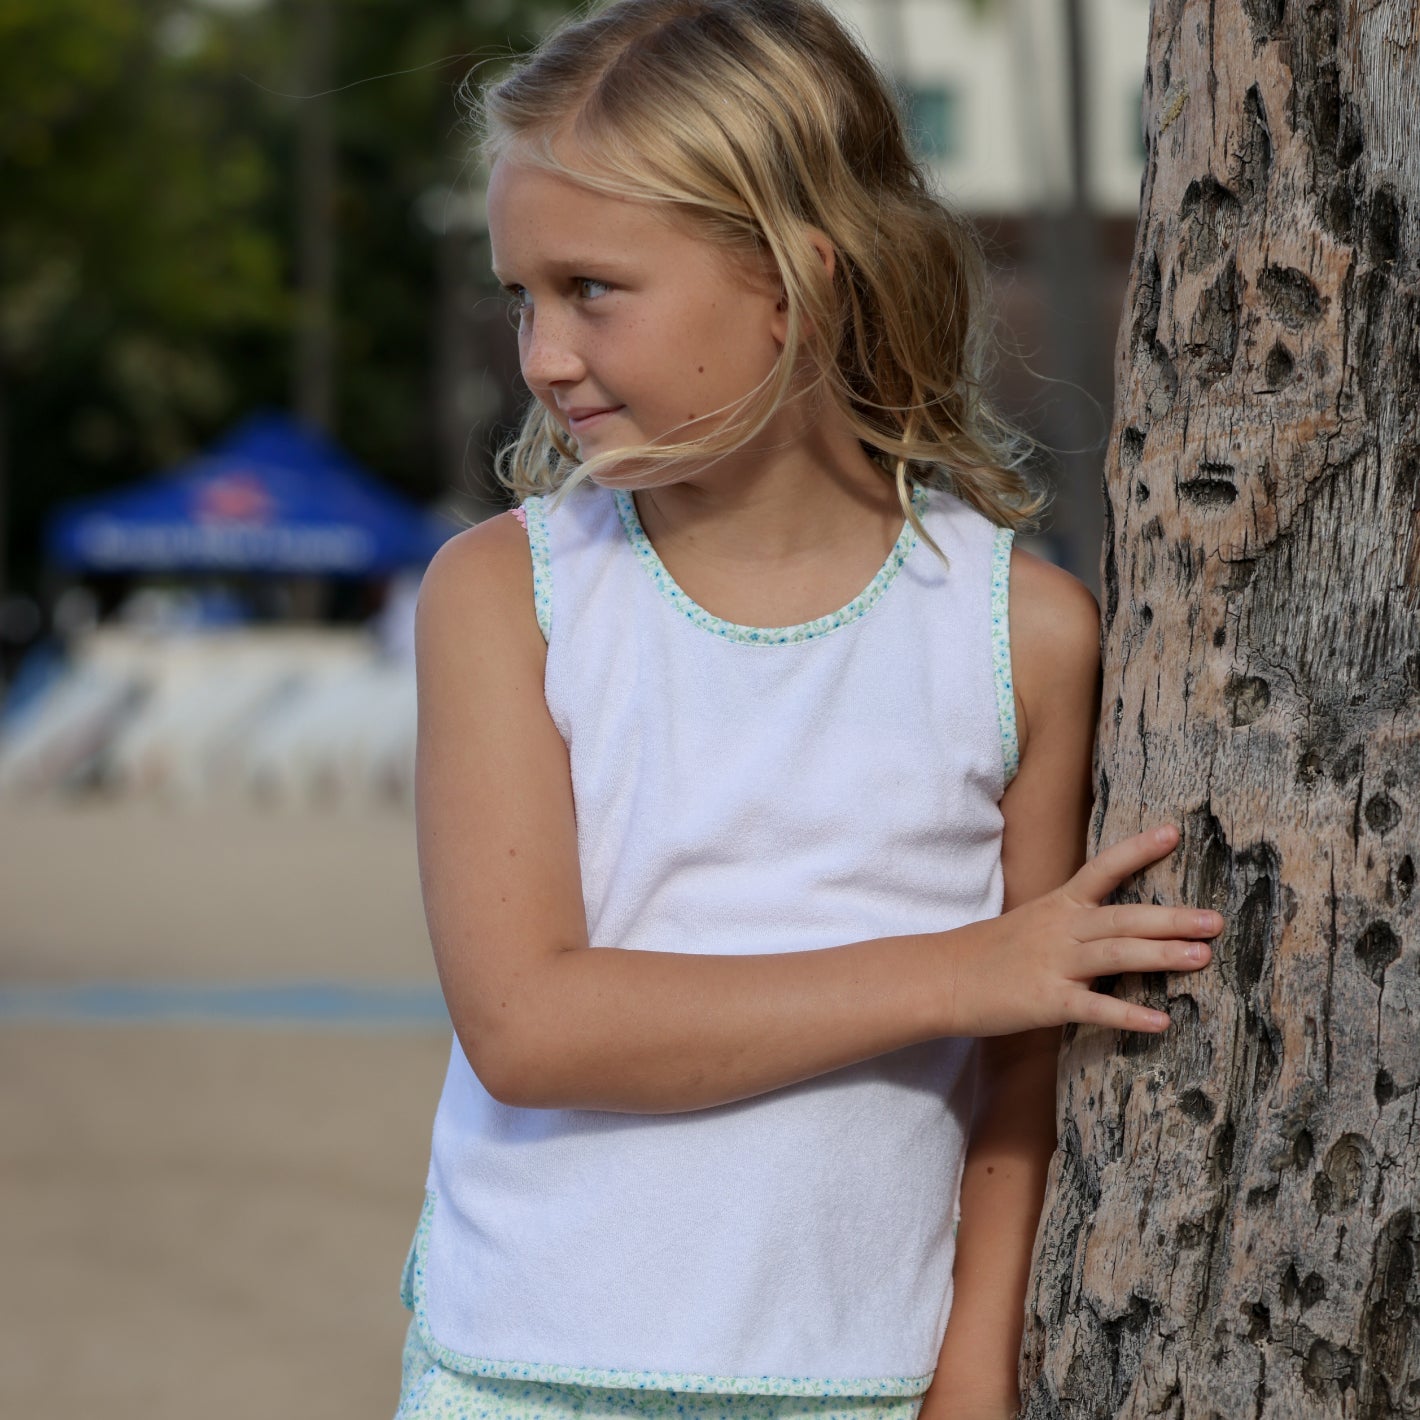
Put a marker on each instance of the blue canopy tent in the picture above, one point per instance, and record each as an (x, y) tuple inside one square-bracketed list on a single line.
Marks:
[(272, 497)]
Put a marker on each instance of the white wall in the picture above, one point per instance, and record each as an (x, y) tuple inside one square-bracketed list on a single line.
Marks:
[(1003, 59)]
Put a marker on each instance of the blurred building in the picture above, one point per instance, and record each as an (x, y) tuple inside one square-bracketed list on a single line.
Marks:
[(986, 85)]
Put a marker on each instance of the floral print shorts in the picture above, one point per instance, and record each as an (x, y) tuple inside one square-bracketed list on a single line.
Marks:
[(429, 1391)]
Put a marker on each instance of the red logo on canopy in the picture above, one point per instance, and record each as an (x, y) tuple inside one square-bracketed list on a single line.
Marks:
[(234, 497)]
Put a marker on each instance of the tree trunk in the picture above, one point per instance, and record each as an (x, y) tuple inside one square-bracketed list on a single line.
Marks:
[(1232, 1227)]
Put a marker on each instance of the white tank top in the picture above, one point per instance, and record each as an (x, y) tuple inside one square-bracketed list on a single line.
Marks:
[(741, 790)]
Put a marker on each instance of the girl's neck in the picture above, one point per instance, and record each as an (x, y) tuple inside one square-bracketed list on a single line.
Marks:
[(820, 496), (779, 537)]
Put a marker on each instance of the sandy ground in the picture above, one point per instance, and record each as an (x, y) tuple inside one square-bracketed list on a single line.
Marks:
[(208, 1219), (138, 892)]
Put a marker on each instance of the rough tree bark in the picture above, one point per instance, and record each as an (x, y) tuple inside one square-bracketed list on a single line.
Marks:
[(1232, 1227)]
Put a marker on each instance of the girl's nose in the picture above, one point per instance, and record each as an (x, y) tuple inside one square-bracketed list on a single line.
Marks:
[(546, 354)]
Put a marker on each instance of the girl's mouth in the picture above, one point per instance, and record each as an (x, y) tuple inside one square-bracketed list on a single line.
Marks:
[(581, 419)]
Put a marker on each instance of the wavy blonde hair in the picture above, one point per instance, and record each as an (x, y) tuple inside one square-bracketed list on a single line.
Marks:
[(757, 120)]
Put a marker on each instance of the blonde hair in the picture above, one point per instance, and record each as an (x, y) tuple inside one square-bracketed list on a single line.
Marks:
[(757, 120)]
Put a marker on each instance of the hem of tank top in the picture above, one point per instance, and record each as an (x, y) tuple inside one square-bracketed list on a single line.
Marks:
[(411, 1293), (1001, 651), (767, 635), (532, 516)]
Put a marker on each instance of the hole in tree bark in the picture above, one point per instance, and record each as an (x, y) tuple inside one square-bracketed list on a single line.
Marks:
[(1212, 488), (1214, 337), (1290, 295), (1383, 227), (1390, 1318), (1278, 367), (1328, 1369), (1239, 573), (1265, 1068), (1223, 1148), (1149, 303), (1131, 447), (1197, 1106), (1254, 930), (1343, 1174), (1352, 142), (1264, 16), (1407, 474), (1338, 211), (1376, 948), (1208, 492), (1255, 149), (1248, 697), (1208, 218), (1206, 859), (1382, 813)]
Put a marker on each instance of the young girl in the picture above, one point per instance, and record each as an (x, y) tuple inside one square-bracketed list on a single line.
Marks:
[(753, 771)]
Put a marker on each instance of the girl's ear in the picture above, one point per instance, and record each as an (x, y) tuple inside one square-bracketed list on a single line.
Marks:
[(823, 249)]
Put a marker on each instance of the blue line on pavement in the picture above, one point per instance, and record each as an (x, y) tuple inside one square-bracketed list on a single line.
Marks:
[(321, 1004)]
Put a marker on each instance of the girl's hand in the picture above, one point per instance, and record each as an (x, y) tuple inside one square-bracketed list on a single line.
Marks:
[(1035, 966)]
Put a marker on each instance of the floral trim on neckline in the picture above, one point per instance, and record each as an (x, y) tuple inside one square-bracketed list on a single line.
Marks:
[(863, 603)]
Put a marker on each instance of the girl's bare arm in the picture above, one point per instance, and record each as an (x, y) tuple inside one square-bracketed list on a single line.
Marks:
[(545, 1022), (1055, 658)]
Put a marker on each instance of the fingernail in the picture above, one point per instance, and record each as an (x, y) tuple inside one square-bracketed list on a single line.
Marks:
[(1161, 1020), (1194, 952), (1210, 922)]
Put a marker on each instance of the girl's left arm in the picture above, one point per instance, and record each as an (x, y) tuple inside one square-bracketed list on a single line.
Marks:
[(1055, 666)]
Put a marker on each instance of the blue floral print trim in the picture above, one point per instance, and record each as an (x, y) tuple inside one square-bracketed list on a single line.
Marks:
[(412, 1294), (534, 516), (863, 603), (1001, 650)]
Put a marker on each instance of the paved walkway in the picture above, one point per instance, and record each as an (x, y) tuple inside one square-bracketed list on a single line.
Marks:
[(221, 1045)]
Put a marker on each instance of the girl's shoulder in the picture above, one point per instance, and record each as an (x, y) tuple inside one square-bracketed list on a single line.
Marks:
[(1047, 599), (496, 548), (479, 585)]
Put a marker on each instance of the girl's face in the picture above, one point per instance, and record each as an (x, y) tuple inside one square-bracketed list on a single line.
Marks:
[(631, 329)]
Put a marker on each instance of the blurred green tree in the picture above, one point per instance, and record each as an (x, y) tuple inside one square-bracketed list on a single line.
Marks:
[(149, 161)]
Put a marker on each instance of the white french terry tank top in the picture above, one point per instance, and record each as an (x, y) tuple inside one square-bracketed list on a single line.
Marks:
[(741, 790)]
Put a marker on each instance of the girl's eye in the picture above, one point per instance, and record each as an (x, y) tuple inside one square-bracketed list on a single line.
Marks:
[(519, 304), (590, 288)]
